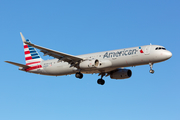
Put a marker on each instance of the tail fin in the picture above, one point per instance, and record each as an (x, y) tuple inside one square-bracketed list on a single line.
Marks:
[(32, 57)]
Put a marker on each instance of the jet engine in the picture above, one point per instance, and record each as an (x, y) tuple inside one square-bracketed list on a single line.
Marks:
[(89, 64), (121, 74), (104, 64)]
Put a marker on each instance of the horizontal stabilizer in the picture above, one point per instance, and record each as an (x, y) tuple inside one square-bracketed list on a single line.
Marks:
[(17, 64)]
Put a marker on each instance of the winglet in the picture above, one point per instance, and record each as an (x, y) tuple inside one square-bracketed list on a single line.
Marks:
[(22, 37)]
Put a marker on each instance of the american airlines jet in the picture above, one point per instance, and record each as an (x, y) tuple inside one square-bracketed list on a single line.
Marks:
[(107, 63)]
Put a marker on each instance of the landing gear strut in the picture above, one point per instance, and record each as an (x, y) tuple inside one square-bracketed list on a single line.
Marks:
[(79, 75), (101, 81), (151, 66)]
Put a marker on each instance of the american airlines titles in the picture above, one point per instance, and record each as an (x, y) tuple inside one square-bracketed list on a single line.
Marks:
[(120, 53)]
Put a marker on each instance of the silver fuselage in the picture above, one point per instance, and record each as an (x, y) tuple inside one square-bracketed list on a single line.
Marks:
[(119, 58)]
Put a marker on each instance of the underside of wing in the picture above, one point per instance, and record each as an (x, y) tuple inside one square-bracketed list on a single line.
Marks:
[(73, 60)]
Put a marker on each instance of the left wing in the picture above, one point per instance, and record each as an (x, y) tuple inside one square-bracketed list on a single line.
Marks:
[(73, 60)]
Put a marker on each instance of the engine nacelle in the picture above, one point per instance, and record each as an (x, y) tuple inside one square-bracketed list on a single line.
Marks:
[(104, 64), (89, 64), (121, 74)]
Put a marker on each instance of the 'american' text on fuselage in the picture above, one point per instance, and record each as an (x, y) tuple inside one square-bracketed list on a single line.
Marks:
[(120, 53)]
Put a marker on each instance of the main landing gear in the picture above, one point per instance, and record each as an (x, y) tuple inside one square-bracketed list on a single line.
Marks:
[(79, 75), (101, 81), (151, 66)]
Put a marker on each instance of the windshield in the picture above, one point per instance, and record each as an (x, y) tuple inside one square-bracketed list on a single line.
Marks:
[(160, 48)]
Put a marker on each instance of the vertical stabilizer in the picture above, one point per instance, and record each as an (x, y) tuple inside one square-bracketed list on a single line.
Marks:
[(32, 57)]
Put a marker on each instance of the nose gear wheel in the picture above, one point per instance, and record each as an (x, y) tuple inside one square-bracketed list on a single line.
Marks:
[(151, 66)]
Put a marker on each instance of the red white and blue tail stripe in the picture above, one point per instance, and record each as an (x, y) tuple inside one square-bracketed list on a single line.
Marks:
[(32, 57)]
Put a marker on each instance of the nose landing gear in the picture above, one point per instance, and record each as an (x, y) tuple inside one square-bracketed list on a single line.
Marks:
[(151, 71), (151, 66)]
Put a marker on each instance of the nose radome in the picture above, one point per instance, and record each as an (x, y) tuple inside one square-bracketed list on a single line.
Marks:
[(168, 54)]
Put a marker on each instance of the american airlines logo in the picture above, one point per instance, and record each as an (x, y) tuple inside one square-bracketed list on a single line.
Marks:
[(120, 53), (141, 51)]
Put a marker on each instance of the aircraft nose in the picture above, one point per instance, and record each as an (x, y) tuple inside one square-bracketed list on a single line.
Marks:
[(168, 54)]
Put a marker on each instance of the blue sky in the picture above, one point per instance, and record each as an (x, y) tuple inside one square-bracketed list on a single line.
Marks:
[(80, 27)]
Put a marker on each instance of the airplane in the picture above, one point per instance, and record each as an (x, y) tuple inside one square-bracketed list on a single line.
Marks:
[(108, 63)]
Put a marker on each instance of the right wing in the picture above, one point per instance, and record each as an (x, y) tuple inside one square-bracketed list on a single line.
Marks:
[(73, 60), (17, 64)]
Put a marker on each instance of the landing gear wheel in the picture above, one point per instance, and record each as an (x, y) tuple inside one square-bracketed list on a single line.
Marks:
[(79, 75), (151, 66), (100, 81), (151, 71)]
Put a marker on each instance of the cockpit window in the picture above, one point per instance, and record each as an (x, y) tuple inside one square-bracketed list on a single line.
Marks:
[(159, 48)]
